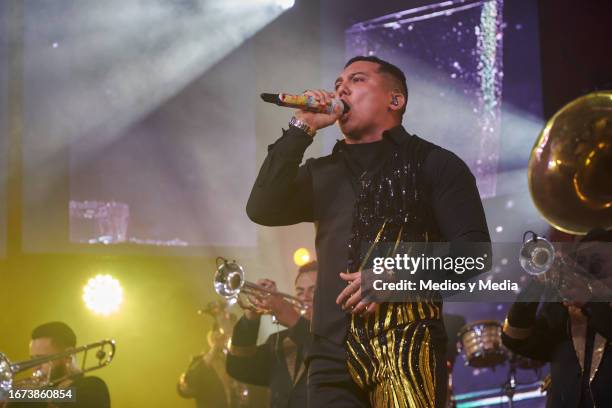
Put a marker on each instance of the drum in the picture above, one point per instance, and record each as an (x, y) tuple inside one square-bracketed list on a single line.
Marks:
[(481, 344)]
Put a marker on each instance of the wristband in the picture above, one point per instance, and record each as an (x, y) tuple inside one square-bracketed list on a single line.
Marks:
[(295, 122)]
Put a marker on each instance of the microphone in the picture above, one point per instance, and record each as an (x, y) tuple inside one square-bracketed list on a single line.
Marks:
[(303, 102)]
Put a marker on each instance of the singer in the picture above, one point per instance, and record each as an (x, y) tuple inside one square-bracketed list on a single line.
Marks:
[(379, 178)]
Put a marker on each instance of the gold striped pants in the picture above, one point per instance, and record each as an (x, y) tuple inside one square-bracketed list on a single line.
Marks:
[(395, 360)]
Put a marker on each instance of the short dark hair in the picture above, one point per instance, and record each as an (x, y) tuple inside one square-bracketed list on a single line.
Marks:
[(385, 67), (312, 266), (60, 334)]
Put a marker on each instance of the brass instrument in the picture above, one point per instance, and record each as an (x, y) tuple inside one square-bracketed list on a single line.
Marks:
[(8, 370), (537, 255), (571, 163), (555, 267), (238, 393), (219, 310), (569, 177), (230, 283)]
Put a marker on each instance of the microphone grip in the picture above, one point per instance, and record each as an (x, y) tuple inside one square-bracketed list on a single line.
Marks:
[(304, 102)]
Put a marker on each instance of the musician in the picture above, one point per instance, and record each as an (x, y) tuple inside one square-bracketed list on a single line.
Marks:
[(206, 380), (378, 178), (57, 337), (575, 336), (279, 362)]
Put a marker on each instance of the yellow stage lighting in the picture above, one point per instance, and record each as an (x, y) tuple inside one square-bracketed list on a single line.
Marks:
[(301, 256), (103, 295)]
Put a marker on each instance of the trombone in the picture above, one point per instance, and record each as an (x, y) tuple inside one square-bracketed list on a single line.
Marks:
[(104, 355), (230, 283)]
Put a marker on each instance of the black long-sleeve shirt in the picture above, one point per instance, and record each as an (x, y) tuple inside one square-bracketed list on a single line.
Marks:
[(323, 191), (277, 364)]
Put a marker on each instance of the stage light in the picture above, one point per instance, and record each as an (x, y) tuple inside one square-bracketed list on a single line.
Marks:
[(129, 75), (285, 4), (103, 295), (301, 256)]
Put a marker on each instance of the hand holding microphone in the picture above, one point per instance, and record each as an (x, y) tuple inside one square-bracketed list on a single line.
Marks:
[(316, 108)]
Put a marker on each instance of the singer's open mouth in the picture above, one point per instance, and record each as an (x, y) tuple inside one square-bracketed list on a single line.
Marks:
[(347, 109), (344, 117)]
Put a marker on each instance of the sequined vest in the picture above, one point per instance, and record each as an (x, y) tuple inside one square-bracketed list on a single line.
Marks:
[(394, 204)]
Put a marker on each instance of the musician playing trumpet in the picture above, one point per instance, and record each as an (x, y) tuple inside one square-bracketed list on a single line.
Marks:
[(574, 334), (279, 362)]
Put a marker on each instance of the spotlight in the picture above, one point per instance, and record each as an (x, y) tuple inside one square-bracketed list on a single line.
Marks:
[(301, 256), (103, 295), (285, 4)]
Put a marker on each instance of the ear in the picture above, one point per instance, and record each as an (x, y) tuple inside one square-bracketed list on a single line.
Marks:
[(397, 101)]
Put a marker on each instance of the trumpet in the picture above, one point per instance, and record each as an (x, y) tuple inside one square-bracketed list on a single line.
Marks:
[(230, 283), (104, 355), (537, 254), (555, 267)]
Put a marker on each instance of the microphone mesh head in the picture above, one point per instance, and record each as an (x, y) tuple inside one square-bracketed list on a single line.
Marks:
[(270, 98)]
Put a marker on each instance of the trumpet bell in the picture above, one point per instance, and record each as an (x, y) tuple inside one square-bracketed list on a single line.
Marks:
[(229, 279), (537, 256)]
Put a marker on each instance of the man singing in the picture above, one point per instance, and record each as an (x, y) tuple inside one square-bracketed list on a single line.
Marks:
[(378, 184)]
